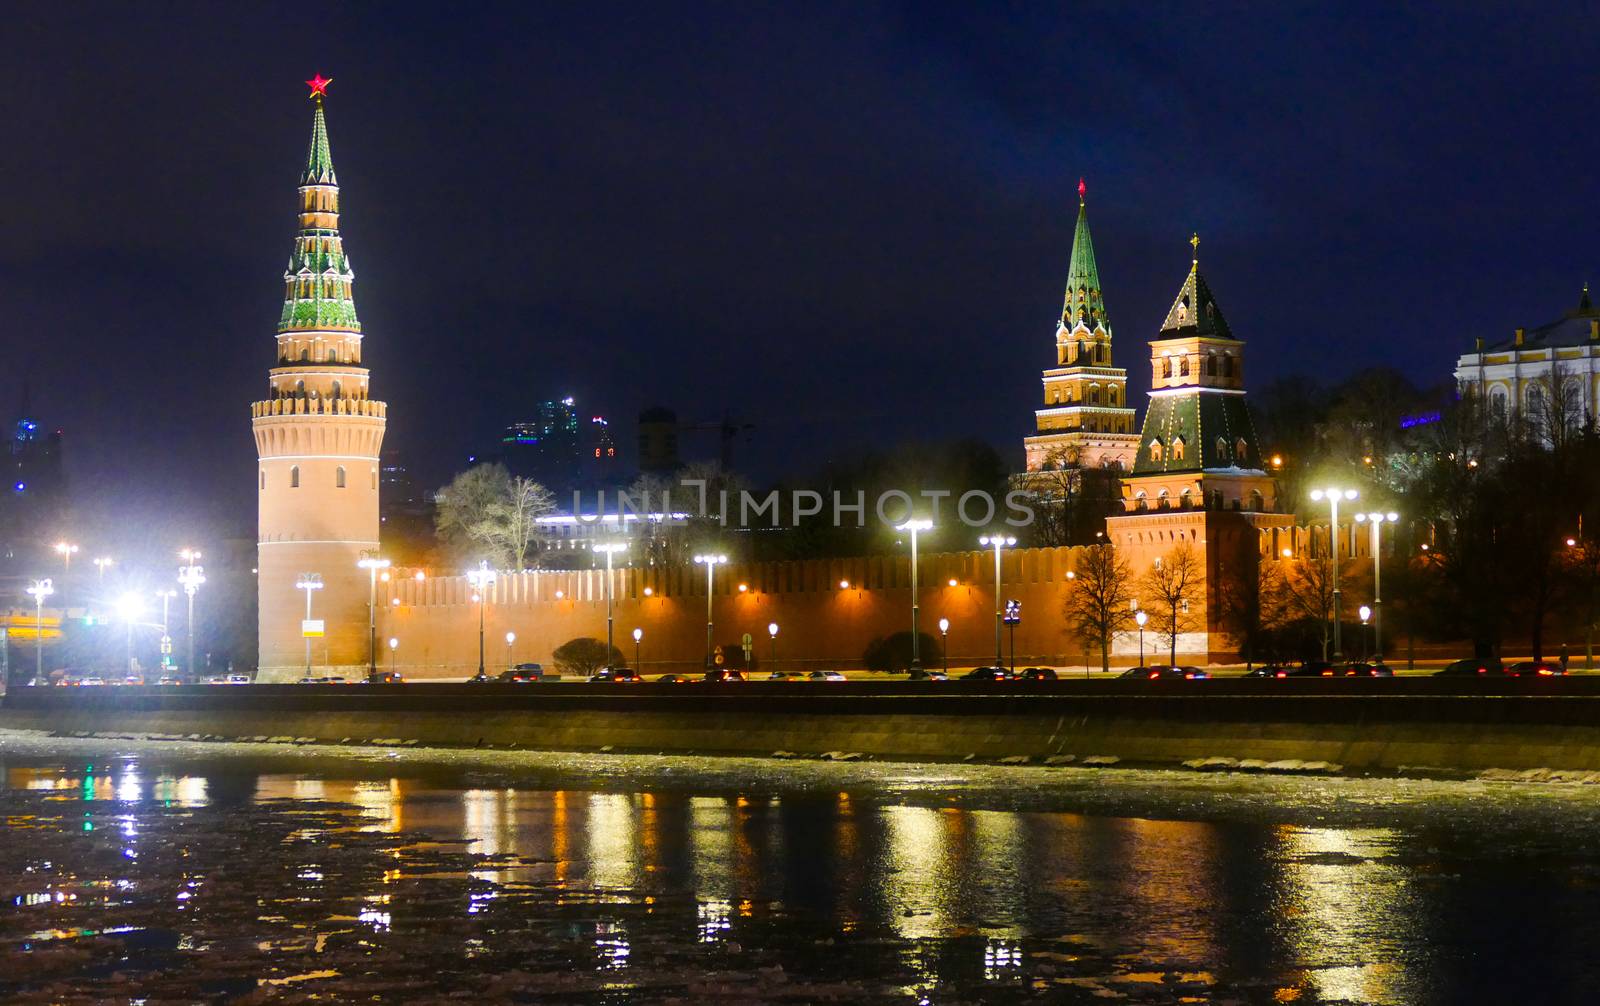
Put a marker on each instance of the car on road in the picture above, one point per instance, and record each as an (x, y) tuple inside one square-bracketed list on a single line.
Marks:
[(785, 676), (925, 675), (92, 680), (1364, 669), (384, 678), (618, 675), (320, 679), (675, 679), (1489, 667), (987, 674), (1164, 672), (1037, 674), (169, 679), (1535, 669), (1269, 671), (825, 676), (723, 674), (520, 675)]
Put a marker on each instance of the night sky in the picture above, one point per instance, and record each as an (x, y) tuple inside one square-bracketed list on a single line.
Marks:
[(848, 225)]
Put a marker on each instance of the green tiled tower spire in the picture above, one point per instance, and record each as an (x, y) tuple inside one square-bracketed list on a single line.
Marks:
[(1084, 303), (319, 282)]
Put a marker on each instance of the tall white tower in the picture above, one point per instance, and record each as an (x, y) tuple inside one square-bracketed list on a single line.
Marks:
[(317, 439)]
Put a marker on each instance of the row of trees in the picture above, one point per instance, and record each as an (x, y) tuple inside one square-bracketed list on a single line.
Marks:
[(1101, 604)]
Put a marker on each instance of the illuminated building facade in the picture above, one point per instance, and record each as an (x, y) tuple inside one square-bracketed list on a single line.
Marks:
[(33, 498), (1544, 374), (318, 436)]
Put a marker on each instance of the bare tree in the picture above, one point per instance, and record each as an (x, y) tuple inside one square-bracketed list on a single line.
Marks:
[(1099, 605), (1175, 583), (485, 508)]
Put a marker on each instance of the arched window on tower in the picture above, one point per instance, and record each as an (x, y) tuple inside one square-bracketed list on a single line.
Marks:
[(1094, 394), (1083, 351), (1222, 448), (1163, 500), (1141, 501), (1241, 451), (1177, 448), (1227, 365), (294, 476), (1155, 450), (1211, 365), (336, 389), (1183, 366), (305, 354), (1166, 366), (338, 477)]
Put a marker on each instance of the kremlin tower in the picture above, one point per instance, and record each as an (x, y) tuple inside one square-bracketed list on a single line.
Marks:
[(317, 439), (1086, 421)]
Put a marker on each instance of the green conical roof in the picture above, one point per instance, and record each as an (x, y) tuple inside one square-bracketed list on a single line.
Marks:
[(1194, 311), (319, 159), (1084, 303)]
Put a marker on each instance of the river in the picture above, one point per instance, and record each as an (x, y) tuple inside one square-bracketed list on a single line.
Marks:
[(134, 871)]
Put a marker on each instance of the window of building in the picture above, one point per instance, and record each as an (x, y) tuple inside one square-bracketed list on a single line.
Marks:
[(294, 476), (1227, 365), (1211, 365), (338, 477), (1241, 451), (1094, 394), (263, 478), (1257, 504), (1222, 449), (1183, 366), (1155, 450), (1177, 448), (1166, 366), (1163, 500)]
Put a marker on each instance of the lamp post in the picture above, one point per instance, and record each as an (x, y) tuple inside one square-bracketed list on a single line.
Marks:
[(394, 644), (1140, 617), (308, 582), (1365, 613), (100, 565), (190, 576), (610, 549), (1375, 521), (772, 633), (480, 579), (511, 654), (711, 563), (1333, 496), (944, 643), (638, 634), (129, 608), (66, 551), (166, 636), (998, 542), (372, 562), (40, 589), (916, 642)]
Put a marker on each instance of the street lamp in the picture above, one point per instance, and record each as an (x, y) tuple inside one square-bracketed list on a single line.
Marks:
[(1375, 520), (480, 579), (944, 643), (1333, 497), (511, 654), (40, 589), (66, 551), (372, 562), (394, 644), (1365, 613), (166, 636), (1141, 618), (129, 608), (308, 582), (190, 576), (711, 563), (610, 549), (998, 542), (772, 631), (638, 634), (916, 644), (100, 565)]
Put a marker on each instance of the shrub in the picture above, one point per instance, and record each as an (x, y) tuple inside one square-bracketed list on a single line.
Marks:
[(585, 655), (892, 654)]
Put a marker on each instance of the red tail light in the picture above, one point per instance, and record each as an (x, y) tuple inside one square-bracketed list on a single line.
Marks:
[(1154, 675), (1281, 674)]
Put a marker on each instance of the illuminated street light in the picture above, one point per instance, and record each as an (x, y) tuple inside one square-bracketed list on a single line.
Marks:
[(394, 644), (711, 563), (511, 655), (944, 642), (1375, 520), (997, 542), (39, 589), (190, 576), (1333, 496), (66, 551), (772, 631), (1141, 618), (129, 607), (100, 565), (610, 549), (372, 562), (480, 579), (308, 582), (638, 634), (916, 645), (166, 635)]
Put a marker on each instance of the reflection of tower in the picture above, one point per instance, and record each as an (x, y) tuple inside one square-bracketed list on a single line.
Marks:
[(1085, 422), (317, 436), (1197, 475)]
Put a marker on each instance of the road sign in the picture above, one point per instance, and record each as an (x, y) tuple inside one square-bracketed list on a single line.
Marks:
[(716, 656), (749, 646), (1013, 612), (311, 627)]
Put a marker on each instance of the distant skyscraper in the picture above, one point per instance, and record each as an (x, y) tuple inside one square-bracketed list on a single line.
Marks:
[(658, 441), (546, 448), (32, 502), (601, 461)]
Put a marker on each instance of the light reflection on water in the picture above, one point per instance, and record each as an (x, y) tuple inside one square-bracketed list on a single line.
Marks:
[(1320, 914)]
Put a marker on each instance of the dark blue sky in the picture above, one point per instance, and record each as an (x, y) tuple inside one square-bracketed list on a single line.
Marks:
[(848, 225)]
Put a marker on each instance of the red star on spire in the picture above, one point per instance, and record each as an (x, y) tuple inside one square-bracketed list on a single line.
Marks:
[(319, 85), (1083, 190)]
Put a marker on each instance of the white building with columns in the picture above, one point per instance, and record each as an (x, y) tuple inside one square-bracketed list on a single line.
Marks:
[(1518, 376)]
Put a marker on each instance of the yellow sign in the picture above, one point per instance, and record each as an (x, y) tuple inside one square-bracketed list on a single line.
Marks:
[(311, 627)]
